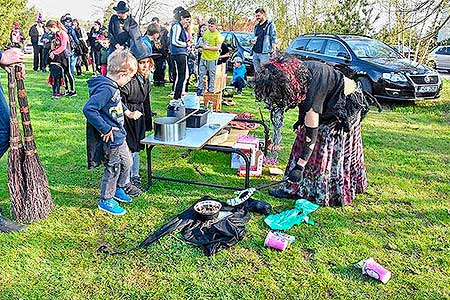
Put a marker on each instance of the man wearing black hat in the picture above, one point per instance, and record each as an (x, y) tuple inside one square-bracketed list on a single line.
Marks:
[(123, 29)]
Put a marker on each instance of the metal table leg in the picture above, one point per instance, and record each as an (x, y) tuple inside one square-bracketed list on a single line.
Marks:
[(238, 152), (222, 149), (148, 149)]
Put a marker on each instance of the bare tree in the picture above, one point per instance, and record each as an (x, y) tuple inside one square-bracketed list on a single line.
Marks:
[(143, 10), (415, 24)]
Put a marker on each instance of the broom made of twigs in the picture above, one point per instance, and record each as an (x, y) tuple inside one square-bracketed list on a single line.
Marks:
[(16, 180), (38, 200)]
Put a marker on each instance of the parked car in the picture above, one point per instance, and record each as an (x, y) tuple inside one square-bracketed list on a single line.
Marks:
[(28, 49), (378, 68), (240, 45), (440, 58)]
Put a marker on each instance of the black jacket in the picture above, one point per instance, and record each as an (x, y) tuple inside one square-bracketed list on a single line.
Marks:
[(34, 35), (92, 38), (136, 96), (82, 49), (123, 32), (165, 42)]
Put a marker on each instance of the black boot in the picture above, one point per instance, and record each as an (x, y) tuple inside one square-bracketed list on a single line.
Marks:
[(9, 226), (279, 193)]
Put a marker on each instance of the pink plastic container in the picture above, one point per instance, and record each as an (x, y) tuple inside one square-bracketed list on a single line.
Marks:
[(375, 270), (276, 242)]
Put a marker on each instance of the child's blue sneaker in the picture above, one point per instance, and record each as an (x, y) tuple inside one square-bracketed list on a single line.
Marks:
[(111, 206), (121, 196)]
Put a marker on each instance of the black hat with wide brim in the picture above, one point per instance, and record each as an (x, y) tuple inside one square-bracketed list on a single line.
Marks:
[(121, 7), (140, 50)]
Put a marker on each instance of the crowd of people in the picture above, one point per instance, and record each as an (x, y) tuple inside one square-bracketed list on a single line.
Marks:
[(118, 112), (65, 48)]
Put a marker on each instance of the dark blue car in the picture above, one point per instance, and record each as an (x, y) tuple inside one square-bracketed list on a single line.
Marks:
[(240, 45), (377, 67)]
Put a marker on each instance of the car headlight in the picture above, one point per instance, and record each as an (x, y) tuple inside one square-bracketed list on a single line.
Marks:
[(247, 55), (394, 77)]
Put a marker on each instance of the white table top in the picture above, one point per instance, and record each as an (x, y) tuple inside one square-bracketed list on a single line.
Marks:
[(196, 138)]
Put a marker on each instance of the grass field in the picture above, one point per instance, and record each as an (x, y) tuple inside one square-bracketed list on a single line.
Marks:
[(402, 221)]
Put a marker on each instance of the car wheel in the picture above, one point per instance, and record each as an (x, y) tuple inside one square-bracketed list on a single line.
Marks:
[(365, 84)]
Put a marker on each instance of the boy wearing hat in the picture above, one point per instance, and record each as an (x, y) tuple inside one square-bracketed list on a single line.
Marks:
[(239, 72), (212, 42), (123, 29), (105, 112)]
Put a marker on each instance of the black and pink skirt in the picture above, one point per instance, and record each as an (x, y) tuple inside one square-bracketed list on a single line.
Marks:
[(335, 172)]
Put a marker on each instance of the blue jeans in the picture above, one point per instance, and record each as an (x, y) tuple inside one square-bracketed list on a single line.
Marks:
[(117, 171), (259, 59), (239, 84), (4, 123), (134, 171), (73, 62), (207, 66)]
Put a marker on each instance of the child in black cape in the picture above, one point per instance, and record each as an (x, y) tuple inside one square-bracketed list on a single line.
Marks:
[(136, 95)]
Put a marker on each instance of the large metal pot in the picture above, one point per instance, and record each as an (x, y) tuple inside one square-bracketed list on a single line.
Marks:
[(168, 130)]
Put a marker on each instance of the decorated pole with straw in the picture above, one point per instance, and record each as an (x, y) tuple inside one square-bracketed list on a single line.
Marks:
[(16, 180), (38, 200)]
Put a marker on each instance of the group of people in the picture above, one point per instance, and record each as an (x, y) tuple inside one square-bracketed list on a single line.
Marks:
[(64, 47), (326, 162), (60, 46)]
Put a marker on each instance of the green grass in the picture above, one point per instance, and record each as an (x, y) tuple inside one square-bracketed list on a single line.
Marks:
[(402, 221)]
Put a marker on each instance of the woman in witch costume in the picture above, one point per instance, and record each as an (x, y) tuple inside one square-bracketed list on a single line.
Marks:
[(326, 163), (136, 95)]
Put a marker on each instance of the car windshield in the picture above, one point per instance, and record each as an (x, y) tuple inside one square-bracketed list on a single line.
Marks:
[(244, 39), (372, 49)]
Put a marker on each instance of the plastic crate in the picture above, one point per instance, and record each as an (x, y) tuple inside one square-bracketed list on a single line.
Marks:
[(198, 119)]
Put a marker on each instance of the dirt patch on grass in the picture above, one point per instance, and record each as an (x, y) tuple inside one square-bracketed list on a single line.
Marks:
[(308, 254)]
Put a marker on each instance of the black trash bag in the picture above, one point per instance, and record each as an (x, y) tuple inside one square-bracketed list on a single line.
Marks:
[(213, 235)]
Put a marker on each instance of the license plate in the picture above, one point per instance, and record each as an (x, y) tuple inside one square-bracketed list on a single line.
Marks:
[(427, 89)]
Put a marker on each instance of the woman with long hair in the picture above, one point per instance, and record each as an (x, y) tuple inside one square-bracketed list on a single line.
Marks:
[(62, 53), (326, 163), (179, 37)]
